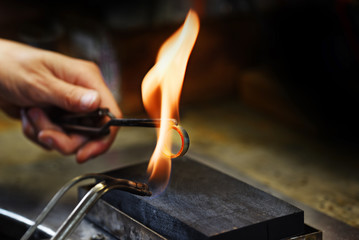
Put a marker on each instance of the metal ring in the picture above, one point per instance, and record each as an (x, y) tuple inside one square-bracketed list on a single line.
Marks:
[(184, 140)]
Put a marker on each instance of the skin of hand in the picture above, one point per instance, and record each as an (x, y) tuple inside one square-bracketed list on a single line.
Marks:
[(32, 79)]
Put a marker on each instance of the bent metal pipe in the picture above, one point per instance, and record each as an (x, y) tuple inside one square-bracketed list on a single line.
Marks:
[(106, 183)]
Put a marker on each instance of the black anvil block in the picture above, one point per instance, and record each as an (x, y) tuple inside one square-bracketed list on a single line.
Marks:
[(203, 203)]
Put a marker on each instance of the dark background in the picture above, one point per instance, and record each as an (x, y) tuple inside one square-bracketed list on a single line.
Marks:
[(295, 60)]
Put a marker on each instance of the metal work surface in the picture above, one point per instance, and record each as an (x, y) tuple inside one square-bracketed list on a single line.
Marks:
[(118, 223), (202, 203)]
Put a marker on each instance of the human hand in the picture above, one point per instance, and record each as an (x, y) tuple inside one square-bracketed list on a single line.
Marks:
[(31, 79)]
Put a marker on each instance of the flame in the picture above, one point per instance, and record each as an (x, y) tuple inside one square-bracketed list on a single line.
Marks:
[(161, 89)]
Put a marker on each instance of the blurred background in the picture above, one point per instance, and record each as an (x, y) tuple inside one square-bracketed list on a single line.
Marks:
[(271, 88), (296, 60)]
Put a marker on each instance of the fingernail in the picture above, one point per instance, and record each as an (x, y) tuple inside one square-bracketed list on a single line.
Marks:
[(88, 99), (48, 142)]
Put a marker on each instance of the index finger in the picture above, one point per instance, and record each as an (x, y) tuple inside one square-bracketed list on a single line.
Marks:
[(86, 74), (96, 147)]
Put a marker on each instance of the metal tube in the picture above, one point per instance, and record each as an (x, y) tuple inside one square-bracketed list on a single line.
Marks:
[(52, 204), (80, 211), (86, 204), (107, 183)]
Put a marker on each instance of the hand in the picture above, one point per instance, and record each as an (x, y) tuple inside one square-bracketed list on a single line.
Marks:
[(31, 79)]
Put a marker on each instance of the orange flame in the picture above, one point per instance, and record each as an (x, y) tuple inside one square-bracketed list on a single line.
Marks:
[(161, 89)]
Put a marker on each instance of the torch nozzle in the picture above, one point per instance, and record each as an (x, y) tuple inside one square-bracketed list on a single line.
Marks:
[(104, 183)]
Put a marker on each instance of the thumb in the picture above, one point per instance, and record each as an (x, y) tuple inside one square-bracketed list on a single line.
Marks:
[(72, 97)]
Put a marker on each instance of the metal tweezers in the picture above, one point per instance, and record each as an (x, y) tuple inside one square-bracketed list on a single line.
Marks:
[(94, 124), (105, 184)]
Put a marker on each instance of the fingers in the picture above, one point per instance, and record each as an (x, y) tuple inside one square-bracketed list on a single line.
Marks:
[(92, 79), (70, 97), (84, 74), (97, 147), (79, 86), (94, 148), (27, 128), (38, 78), (63, 143), (38, 128)]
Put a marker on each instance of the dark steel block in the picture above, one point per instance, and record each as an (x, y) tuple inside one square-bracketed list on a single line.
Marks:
[(203, 203)]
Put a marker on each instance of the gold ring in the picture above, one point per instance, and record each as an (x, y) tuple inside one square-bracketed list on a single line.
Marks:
[(184, 141)]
